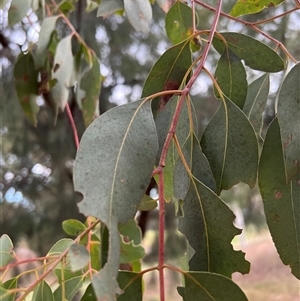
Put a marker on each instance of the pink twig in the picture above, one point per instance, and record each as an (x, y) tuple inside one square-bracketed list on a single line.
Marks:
[(72, 122)]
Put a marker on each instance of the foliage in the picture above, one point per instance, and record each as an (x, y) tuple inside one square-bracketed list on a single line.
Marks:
[(157, 136)]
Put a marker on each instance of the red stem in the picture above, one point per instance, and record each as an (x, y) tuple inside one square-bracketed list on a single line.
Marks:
[(72, 122)]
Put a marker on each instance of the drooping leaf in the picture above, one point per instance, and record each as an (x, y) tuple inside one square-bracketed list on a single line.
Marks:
[(183, 130), (231, 77), (26, 81), (131, 285), (139, 14), (79, 257), (281, 199), (108, 7), (113, 167), (18, 10), (63, 68), (47, 28), (6, 250), (43, 292), (88, 91), (71, 287), (147, 203), (206, 212), (179, 22), (167, 74), (230, 145), (256, 100), (245, 7), (210, 287), (256, 54), (288, 112), (73, 227), (132, 231)]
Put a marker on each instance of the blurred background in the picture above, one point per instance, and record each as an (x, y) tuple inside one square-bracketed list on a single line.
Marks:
[(36, 188)]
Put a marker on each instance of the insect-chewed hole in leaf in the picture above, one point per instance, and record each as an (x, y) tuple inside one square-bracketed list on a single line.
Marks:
[(170, 85)]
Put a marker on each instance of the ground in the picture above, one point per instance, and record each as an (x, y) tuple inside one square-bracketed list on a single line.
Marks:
[(269, 279)]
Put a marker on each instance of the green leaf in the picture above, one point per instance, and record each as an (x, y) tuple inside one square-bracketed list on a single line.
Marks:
[(79, 257), (66, 274), (131, 252), (60, 246), (288, 112), (179, 22), (91, 5), (63, 68), (281, 200), (139, 14), (3, 3), (88, 91), (256, 101), (18, 10), (71, 287), (210, 287), (230, 145), (26, 81), (6, 250), (206, 212), (167, 74), (245, 7), (73, 227), (147, 203), (66, 7), (108, 7), (47, 28), (256, 54), (132, 231), (89, 294), (231, 77), (131, 284), (113, 186), (43, 292), (95, 255), (6, 293)]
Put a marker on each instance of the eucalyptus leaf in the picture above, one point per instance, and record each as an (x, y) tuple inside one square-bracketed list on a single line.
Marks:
[(256, 101), (63, 68), (288, 112), (43, 292), (210, 287), (230, 145), (139, 14), (230, 75), (281, 199), (26, 81), (79, 257), (245, 7), (113, 178), (6, 250), (132, 286), (109, 7), (47, 28), (73, 227), (179, 22), (167, 74), (132, 231), (71, 287), (147, 203), (18, 10), (256, 54), (131, 252)]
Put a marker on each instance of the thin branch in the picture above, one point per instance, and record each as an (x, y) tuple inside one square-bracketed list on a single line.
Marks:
[(73, 125)]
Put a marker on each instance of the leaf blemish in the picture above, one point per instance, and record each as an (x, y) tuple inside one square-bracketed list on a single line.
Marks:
[(278, 195)]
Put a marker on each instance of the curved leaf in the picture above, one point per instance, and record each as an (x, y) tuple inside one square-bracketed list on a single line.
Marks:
[(139, 14), (108, 7), (288, 112), (71, 287), (167, 74), (113, 167), (132, 286), (245, 7), (47, 28), (6, 250), (43, 292), (231, 77), (206, 212), (18, 10), (281, 200), (73, 227), (79, 257), (210, 287), (26, 81), (256, 101), (230, 146), (256, 54), (63, 72), (179, 22)]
